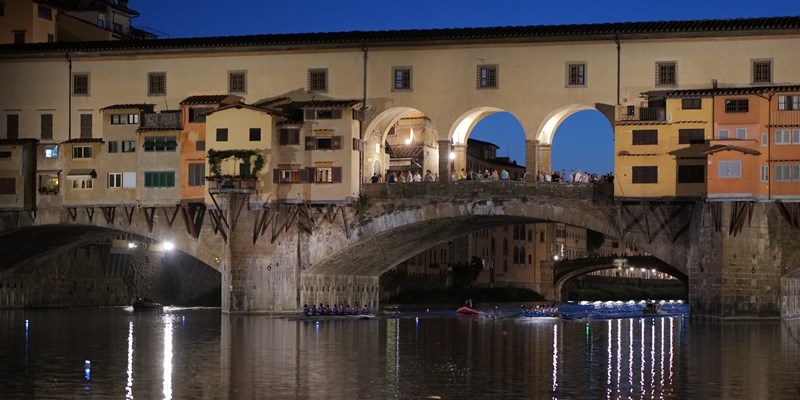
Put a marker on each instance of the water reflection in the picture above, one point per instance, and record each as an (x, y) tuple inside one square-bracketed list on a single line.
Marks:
[(187, 353)]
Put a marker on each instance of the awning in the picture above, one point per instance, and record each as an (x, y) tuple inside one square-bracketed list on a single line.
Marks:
[(81, 173)]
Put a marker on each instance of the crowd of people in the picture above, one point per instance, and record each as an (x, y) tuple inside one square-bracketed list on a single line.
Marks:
[(490, 175), (337, 309), (575, 177)]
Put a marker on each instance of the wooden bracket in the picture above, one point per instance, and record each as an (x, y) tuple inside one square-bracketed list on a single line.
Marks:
[(109, 214)]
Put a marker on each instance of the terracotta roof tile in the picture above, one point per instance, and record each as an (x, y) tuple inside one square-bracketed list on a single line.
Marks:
[(331, 103), (141, 107), (427, 37), (724, 147), (84, 140), (210, 99), (17, 142)]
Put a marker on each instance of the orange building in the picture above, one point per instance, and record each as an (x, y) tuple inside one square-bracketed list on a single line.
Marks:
[(755, 152), (193, 142)]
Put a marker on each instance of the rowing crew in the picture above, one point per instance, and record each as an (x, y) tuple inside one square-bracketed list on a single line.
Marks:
[(340, 309), (542, 310)]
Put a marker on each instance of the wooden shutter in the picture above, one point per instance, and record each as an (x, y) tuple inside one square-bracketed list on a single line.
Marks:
[(311, 143), (336, 173), (308, 114), (305, 173), (276, 176), (336, 113), (336, 142)]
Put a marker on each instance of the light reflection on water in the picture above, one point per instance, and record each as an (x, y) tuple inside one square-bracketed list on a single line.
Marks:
[(199, 353)]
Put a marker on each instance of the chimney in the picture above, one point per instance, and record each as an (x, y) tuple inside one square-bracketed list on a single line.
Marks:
[(714, 83)]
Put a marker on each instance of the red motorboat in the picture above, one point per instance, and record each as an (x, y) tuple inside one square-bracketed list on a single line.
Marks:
[(143, 303), (468, 310)]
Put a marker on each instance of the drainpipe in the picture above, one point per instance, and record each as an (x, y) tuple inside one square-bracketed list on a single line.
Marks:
[(619, 49), (362, 115), (768, 97), (69, 97)]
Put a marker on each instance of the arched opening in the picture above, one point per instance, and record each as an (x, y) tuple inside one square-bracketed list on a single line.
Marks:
[(400, 143), (489, 139), (584, 133)]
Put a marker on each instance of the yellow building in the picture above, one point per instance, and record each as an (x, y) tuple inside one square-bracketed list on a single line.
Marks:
[(658, 147)]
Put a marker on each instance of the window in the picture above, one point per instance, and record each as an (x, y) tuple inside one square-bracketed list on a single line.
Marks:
[(729, 169), (160, 143), (2, 8), (289, 175), (198, 114), (101, 22), (723, 134), (116, 27), (200, 145), (197, 174), (80, 84), (765, 139), (51, 38), (113, 146), (86, 126), (51, 151), (159, 179), (237, 81), (115, 179), (691, 174), (82, 183), (761, 71), (691, 104), (783, 173), (19, 37), (128, 146), (786, 136), (788, 102), (576, 74), (48, 183), (81, 151), (648, 174), (401, 78), (5, 154), (666, 73), (12, 126), (328, 175), (8, 185), (133, 118), (318, 80), (765, 173), (736, 105), (222, 134), (255, 134), (323, 143), (741, 133), (119, 119), (289, 136), (691, 136), (323, 113), (487, 76), (156, 83), (645, 136), (45, 12)]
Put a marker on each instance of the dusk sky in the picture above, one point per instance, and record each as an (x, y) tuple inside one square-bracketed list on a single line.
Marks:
[(585, 140)]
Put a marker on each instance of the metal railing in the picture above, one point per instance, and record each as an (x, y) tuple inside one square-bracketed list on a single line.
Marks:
[(636, 113)]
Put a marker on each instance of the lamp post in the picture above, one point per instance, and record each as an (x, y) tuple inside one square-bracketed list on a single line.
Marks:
[(452, 165)]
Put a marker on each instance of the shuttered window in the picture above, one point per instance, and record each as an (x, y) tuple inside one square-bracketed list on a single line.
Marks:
[(646, 174), (645, 137)]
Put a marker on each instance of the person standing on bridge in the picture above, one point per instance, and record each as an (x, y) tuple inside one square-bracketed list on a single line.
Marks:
[(504, 175)]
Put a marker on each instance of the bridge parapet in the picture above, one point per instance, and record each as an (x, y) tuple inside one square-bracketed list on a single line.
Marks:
[(600, 193)]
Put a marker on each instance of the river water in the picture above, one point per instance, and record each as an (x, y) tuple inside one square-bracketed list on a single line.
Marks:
[(180, 353)]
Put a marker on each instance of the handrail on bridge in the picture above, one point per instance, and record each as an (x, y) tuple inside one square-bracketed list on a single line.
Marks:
[(598, 192)]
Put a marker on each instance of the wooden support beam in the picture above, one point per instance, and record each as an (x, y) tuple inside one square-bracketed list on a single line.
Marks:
[(217, 222), (149, 217), (193, 215), (129, 213), (170, 220), (109, 213), (90, 213), (73, 213)]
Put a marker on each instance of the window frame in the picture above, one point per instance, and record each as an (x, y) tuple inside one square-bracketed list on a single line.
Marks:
[(737, 106), (317, 80), (167, 176), (50, 151), (736, 173), (693, 103), (128, 146), (81, 84), (401, 79), (255, 134), (665, 77), (81, 152), (114, 180), (289, 136), (691, 136), (576, 78), (237, 81), (113, 147), (160, 144), (487, 76), (789, 102), (196, 174), (157, 83), (757, 70), (46, 126), (12, 126), (691, 173), (87, 122), (221, 134)]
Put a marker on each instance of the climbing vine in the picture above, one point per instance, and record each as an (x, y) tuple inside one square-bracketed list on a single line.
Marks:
[(252, 161)]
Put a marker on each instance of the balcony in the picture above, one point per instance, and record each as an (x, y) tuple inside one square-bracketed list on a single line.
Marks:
[(231, 184), (784, 118), (636, 113)]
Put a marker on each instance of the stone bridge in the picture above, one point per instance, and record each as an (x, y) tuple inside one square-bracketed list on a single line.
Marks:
[(275, 257)]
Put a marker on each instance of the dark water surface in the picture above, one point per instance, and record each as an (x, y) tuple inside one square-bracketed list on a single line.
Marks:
[(202, 354)]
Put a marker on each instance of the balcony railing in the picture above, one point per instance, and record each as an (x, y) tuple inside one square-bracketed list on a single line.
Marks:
[(636, 113), (784, 118), (233, 184)]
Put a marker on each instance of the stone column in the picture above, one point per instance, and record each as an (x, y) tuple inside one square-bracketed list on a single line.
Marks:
[(444, 160), (460, 161), (532, 159), (259, 277), (548, 288)]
